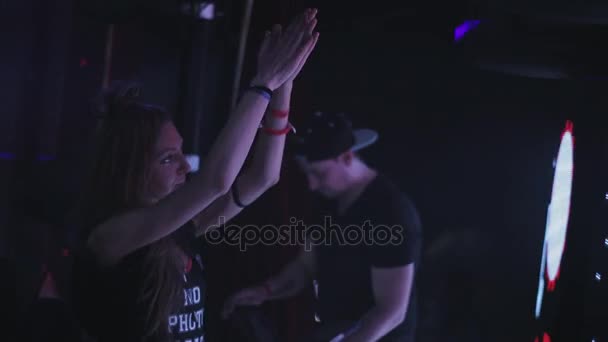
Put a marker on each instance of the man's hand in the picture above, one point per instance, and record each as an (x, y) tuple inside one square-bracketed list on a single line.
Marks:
[(251, 296)]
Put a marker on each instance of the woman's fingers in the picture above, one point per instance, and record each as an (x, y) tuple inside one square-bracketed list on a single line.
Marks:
[(296, 22), (312, 13), (302, 46), (306, 51), (311, 46), (308, 28), (276, 35), (283, 52), (265, 44), (298, 37), (294, 34), (311, 26)]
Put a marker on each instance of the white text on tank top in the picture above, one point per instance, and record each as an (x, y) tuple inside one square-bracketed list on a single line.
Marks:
[(187, 325)]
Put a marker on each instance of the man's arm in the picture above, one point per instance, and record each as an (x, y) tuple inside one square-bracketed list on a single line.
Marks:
[(392, 288), (292, 279), (393, 269)]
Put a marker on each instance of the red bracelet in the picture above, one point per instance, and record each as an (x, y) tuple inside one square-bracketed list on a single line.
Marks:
[(189, 265), (283, 131), (277, 113)]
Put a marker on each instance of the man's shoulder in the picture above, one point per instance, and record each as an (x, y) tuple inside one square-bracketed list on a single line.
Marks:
[(396, 211), (389, 190), (392, 201)]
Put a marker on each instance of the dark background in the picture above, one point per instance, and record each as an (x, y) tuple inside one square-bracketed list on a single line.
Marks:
[(468, 129)]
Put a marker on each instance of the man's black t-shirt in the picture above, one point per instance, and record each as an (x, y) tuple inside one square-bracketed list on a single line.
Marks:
[(107, 304), (381, 229)]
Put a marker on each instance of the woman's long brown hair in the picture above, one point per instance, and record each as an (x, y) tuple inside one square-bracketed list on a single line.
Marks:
[(125, 144)]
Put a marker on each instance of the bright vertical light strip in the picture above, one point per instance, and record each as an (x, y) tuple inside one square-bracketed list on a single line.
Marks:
[(559, 210), (558, 215), (541, 284)]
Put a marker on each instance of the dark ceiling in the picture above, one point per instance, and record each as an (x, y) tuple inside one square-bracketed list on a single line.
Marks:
[(551, 39), (555, 39)]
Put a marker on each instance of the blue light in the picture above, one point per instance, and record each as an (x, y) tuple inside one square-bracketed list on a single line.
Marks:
[(12, 156), (44, 157), (461, 30), (7, 155)]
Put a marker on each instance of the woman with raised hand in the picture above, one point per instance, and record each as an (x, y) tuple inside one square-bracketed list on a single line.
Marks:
[(137, 276)]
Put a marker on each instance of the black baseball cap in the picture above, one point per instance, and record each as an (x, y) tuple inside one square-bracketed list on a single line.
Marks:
[(327, 135)]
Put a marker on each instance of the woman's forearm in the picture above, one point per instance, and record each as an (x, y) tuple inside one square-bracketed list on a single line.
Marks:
[(230, 149), (268, 152), (265, 168)]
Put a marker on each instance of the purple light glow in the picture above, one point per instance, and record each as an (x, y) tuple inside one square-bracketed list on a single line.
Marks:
[(12, 156), (461, 30), (7, 155), (44, 157)]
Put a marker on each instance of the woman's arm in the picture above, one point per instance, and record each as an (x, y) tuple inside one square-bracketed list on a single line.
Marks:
[(263, 173), (265, 169), (123, 234)]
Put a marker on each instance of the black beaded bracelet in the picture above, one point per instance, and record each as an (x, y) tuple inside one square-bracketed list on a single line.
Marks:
[(262, 90), (235, 196)]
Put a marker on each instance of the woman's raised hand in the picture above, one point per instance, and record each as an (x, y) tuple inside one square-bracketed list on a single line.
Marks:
[(283, 54)]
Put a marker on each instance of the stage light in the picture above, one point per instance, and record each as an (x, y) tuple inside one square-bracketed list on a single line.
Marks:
[(546, 338), (598, 276), (558, 214), (461, 30), (202, 9)]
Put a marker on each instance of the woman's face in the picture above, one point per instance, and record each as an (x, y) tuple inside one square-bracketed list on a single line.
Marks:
[(168, 167)]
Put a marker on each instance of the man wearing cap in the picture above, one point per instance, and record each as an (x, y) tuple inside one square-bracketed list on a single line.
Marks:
[(365, 268)]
